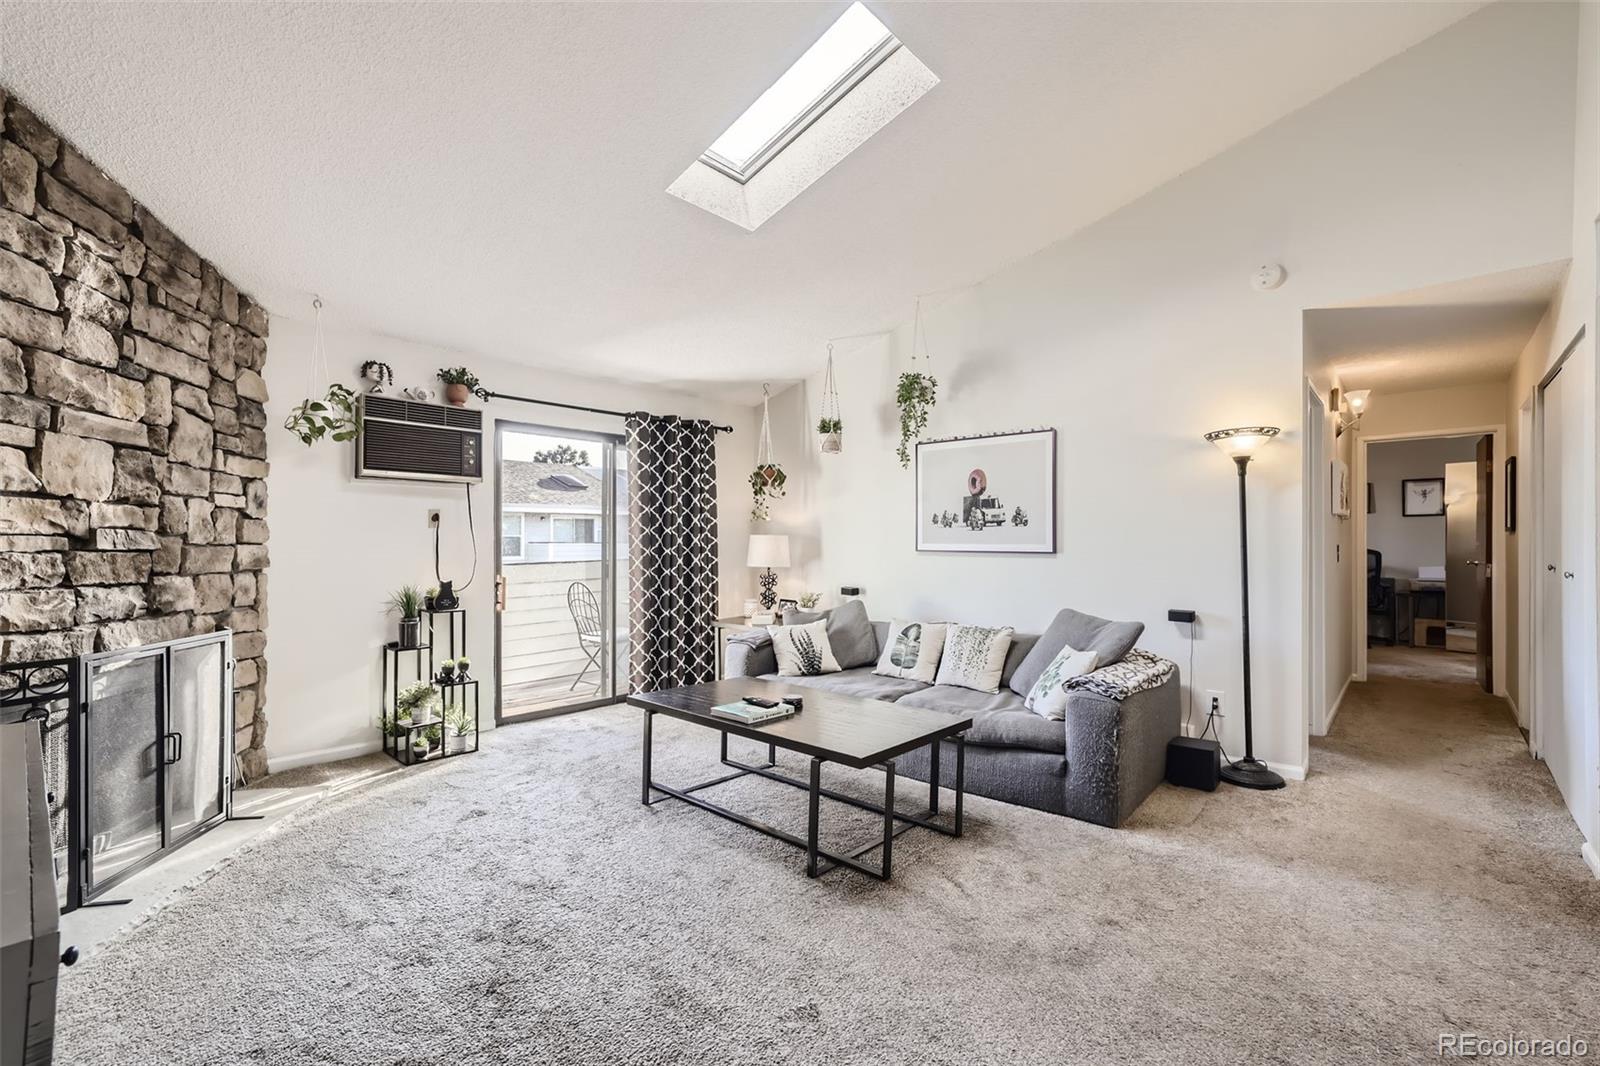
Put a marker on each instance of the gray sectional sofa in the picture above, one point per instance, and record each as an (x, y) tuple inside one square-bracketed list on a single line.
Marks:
[(1097, 765)]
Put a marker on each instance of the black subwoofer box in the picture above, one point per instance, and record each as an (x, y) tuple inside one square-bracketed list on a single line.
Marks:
[(1194, 763)]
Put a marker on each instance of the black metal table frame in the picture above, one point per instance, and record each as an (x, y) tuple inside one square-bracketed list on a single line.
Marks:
[(819, 860)]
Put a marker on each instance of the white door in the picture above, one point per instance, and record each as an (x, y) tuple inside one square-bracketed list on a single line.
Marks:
[(1566, 713)]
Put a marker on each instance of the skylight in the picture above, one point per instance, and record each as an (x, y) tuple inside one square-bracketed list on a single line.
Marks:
[(850, 50)]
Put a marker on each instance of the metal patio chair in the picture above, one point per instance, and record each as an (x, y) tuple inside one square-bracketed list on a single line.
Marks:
[(586, 618)]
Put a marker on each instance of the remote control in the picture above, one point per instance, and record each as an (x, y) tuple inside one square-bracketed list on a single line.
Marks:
[(757, 701)]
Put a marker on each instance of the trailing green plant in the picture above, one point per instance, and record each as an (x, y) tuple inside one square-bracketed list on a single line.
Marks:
[(460, 375), (417, 696), (915, 397), (767, 483), (830, 425), (406, 601), (334, 417), (392, 727)]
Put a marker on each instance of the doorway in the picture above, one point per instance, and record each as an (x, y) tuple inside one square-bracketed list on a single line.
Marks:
[(560, 599)]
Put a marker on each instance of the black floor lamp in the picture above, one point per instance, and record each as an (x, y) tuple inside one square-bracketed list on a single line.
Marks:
[(1239, 445)]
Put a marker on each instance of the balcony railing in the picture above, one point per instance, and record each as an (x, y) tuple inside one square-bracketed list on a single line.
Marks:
[(542, 663)]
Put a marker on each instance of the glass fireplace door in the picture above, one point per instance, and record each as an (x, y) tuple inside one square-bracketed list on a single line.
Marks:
[(125, 774), (198, 741)]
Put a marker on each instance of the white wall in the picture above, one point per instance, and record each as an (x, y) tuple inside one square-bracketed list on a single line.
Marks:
[(1577, 306), (1137, 335), (340, 545), (1408, 542)]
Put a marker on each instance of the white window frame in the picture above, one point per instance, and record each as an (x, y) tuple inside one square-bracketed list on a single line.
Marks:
[(522, 532)]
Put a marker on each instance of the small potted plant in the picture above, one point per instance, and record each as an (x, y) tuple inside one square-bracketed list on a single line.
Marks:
[(460, 384), (419, 747), (463, 664), (429, 597), (458, 724), (767, 483), (447, 672), (406, 601), (809, 600), (417, 702), (334, 417), (433, 736), (830, 430)]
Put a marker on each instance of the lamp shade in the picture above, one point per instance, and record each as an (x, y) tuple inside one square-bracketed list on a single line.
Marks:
[(1357, 401), (768, 550), (1242, 442)]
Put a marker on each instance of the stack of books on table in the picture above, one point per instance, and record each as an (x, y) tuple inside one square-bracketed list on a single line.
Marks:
[(750, 714)]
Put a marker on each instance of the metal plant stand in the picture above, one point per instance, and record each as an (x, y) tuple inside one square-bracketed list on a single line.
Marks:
[(417, 664)]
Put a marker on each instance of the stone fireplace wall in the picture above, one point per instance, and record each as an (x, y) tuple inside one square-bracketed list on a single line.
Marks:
[(133, 493)]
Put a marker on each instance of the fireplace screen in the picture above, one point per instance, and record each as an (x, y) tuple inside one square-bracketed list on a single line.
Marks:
[(140, 761)]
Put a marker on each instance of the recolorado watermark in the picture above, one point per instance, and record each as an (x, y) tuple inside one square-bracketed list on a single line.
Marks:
[(1478, 1046)]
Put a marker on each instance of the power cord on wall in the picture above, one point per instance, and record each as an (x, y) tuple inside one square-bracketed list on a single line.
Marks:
[(472, 534)]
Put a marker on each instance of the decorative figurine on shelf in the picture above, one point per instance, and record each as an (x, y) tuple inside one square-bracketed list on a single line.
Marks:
[(445, 599), (447, 672), (379, 374), (463, 664), (420, 393)]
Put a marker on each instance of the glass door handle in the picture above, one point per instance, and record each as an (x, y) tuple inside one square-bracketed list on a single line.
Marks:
[(174, 742), (500, 593)]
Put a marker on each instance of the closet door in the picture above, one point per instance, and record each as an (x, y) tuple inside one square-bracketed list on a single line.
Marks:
[(1575, 568), (1556, 744)]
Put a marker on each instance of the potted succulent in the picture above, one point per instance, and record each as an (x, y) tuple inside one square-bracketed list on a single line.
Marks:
[(458, 724), (429, 597), (809, 600), (419, 747), (417, 702), (447, 671), (459, 385), (463, 664), (433, 736), (830, 429), (767, 483), (915, 397), (406, 601)]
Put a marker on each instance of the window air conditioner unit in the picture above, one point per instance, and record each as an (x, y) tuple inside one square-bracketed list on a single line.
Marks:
[(410, 441)]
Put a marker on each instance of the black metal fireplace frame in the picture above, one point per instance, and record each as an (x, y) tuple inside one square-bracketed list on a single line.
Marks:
[(43, 683)]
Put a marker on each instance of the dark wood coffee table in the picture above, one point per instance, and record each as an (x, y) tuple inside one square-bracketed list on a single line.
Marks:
[(832, 728)]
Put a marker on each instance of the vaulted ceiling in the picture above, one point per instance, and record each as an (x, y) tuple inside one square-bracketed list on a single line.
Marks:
[(492, 177)]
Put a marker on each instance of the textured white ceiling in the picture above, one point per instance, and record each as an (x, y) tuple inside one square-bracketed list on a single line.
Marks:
[(492, 177), (1454, 334)]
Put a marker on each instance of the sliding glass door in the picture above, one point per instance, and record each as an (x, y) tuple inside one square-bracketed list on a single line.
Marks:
[(561, 576)]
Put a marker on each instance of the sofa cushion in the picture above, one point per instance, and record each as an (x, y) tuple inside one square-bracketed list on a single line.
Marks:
[(850, 632), (912, 650), (999, 720), (974, 656), (803, 650), (1110, 641), (860, 682)]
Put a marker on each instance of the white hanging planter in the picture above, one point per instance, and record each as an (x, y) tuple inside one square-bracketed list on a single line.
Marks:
[(830, 428), (767, 480)]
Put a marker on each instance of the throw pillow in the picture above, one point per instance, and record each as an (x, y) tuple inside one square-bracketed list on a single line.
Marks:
[(1048, 699), (911, 650), (1110, 640), (974, 657), (803, 651), (849, 632)]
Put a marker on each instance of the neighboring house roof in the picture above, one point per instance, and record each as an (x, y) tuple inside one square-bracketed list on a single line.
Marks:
[(560, 485)]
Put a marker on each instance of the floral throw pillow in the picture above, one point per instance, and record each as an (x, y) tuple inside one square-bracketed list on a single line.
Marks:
[(974, 657), (1048, 697), (803, 651)]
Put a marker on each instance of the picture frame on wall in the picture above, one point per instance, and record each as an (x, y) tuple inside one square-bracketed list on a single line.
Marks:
[(1339, 488), (1511, 494), (992, 493), (1422, 497)]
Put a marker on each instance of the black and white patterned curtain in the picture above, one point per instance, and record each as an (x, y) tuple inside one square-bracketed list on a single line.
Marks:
[(672, 565)]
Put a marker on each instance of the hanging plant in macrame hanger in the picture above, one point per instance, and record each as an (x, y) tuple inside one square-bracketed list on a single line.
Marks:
[(916, 393), (334, 414), (829, 426), (767, 479)]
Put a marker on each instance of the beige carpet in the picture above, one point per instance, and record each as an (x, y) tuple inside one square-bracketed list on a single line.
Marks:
[(520, 906)]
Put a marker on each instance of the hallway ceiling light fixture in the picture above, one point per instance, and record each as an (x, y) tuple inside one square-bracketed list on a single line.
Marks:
[(1355, 402)]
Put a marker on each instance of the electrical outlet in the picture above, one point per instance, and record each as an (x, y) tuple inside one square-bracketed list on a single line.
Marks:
[(433, 518), (1216, 703)]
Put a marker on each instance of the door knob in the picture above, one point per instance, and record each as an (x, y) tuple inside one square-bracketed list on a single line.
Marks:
[(1472, 562), (1567, 574), (1550, 567)]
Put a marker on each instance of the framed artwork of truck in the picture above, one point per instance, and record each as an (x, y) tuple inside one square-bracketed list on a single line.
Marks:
[(990, 493)]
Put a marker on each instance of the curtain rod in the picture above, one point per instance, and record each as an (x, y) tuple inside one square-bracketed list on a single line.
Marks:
[(580, 407)]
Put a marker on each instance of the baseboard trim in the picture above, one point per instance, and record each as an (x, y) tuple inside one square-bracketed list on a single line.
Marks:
[(1592, 857), (1289, 771), (294, 761), (1337, 704)]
